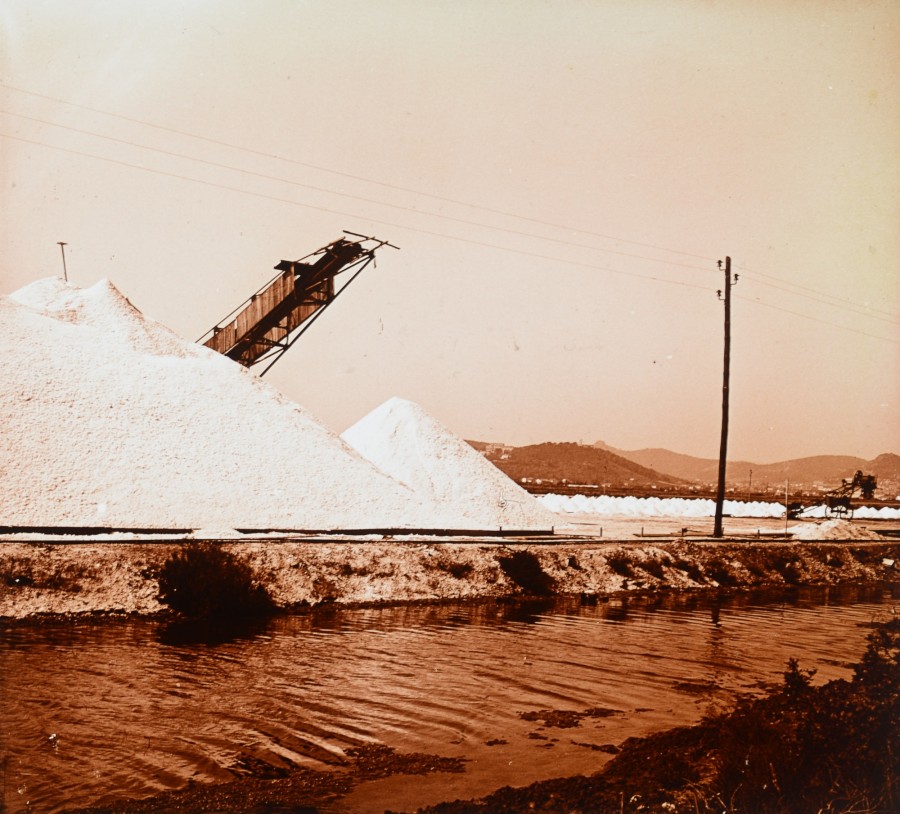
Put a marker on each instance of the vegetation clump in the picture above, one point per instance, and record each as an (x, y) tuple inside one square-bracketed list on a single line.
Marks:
[(204, 582), (722, 572), (689, 567), (829, 748), (456, 569), (620, 563), (654, 566), (524, 568)]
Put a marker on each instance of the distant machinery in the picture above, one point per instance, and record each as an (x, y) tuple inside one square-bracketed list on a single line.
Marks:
[(839, 502), (262, 328)]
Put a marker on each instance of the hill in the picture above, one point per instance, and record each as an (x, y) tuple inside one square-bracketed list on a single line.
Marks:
[(575, 463), (826, 471), (603, 465)]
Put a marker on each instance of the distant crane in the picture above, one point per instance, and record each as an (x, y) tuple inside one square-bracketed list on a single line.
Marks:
[(262, 328)]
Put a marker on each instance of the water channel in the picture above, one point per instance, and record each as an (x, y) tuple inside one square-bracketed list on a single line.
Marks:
[(92, 712)]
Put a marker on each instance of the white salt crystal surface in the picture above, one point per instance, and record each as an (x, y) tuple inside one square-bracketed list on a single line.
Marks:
[(108, 418), (628, 506), (410, 445)]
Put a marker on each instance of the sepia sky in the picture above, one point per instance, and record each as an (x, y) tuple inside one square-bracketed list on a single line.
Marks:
[(560, 175)]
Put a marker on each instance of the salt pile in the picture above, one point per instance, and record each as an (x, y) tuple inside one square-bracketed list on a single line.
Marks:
[(835, 529), (656, 506), (689, 507), (407, 443), (109, 419)]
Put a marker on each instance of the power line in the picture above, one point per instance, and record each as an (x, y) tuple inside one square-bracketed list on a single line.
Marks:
[(331, 211), (469, 241), (385, 184), (816, 319), (279, 179), (840, 300), (842, 305)]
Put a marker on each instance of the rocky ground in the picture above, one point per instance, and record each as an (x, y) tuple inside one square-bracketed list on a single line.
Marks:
[(49, 576)]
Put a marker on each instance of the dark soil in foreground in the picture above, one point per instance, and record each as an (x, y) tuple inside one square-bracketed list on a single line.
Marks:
[(801, 748)]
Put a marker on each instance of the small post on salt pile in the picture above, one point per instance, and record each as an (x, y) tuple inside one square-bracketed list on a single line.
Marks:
[(62, 248), (723, 447)]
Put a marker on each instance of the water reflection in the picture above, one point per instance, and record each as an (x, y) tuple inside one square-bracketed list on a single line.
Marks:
[(616, 610), (138, 707), (186, 632)]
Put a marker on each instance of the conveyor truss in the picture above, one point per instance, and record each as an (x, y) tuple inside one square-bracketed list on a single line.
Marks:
[(262, 328)]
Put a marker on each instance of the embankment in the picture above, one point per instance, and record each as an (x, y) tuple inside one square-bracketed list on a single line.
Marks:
[(37, 579)]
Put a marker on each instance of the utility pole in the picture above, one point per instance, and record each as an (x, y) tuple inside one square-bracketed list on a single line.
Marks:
[(723, 446), (62, 248)]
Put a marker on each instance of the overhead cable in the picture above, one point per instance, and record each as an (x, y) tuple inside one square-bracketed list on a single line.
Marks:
[(282, 180), (332, 211), (385, 184)]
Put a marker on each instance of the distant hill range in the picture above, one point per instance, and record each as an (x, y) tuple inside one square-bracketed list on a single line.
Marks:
[(823, 470), (662, 469)]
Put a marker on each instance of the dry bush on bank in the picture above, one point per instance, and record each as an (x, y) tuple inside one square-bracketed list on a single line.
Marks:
[(203, 581), (524, 568)]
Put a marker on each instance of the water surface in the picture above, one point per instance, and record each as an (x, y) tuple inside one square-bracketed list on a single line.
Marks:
[(94, 712)]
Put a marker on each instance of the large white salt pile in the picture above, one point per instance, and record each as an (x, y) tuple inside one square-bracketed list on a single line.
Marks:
[(108, 418), (410, 445)]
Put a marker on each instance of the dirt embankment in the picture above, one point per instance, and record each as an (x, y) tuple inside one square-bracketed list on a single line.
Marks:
[(82, 578)]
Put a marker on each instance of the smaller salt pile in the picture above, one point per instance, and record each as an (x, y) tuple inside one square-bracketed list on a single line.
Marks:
[(411, 446), (836, 529), (109, 419)]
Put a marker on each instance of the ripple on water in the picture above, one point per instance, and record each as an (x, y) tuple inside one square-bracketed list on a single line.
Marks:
[(133, 714)]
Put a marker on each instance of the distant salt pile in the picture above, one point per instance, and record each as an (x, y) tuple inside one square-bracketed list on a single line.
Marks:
[(109, 419), (835, 529), (688, 507), (656, 506), (859, 513), (407, 443)]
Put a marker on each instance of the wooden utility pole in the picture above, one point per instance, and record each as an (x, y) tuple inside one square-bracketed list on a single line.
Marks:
[(723, 446)]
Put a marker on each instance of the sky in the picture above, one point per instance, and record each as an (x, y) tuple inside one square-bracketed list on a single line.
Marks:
[(561, 177)]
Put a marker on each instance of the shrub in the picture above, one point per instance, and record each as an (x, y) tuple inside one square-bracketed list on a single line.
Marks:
[(831, 748), (653, 567), (719, 570), (524, 568), (788, 565), (203, 581), (456, 569), (621, 563), (690, 567)]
